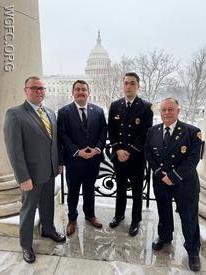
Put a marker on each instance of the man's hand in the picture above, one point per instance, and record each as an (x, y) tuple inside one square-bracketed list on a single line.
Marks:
[(88, 153), (123, 155), (83, 154), (167, 180), (26, 185)]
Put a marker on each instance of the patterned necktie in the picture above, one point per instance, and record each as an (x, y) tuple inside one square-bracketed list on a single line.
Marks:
[(166, 136), (45, 121), (84, 118)]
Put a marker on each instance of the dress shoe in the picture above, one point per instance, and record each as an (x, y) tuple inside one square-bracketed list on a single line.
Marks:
[(115, 222), (55, 236), (94, 222), (158, 244), (28, 255), (134, 229), (71, 228), (194, 263)]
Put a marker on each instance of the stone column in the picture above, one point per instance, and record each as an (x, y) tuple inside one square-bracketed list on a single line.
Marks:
[(20, 57), (202, 175)]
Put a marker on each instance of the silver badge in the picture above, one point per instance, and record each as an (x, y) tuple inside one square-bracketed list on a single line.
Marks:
[(137, 121)]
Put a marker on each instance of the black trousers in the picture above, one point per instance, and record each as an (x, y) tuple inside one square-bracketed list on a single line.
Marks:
[(41, 196), (188, 210), (81, 172), (134, 171)]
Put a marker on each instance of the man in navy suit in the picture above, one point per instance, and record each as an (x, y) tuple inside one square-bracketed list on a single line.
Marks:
[(173, 152), (82, 135)]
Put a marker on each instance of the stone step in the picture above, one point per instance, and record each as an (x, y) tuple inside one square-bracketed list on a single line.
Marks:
[(6, 178), (10, 226), (8, 185), (11, 209), (10, 196)]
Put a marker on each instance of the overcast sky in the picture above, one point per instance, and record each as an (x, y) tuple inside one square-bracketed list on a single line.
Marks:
[(69, 30)]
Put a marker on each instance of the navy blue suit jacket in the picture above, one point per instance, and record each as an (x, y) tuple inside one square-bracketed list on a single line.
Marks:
[(72, 135)]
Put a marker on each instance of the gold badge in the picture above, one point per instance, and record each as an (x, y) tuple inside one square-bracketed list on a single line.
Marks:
[(183, 149), (137, 121), (199, 135), (117, 117)]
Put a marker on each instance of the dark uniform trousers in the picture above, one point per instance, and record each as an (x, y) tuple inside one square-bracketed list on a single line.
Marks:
[(127, 127), (179, 160), (132, 170), (188, 211)]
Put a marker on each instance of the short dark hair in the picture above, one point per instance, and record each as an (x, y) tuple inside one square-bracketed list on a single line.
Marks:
[(132, 74), (81, 82), (171, 99), (31, 77)]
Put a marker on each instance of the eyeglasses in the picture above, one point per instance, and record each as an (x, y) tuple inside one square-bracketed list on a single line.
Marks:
[(36, 88)]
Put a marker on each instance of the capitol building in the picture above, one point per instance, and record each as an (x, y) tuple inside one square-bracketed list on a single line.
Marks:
[(98, 68)]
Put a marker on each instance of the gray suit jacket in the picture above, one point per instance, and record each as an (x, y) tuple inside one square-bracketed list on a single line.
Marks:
[(32, 153)]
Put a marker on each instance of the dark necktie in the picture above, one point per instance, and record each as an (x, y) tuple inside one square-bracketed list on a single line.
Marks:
[(128, 105), (84, 117), (128, 108), (167, 136)]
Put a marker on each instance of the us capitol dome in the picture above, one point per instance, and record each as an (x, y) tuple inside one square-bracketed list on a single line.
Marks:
[(98, 62)]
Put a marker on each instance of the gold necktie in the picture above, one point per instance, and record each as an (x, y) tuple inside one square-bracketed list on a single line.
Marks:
[(45, 121)]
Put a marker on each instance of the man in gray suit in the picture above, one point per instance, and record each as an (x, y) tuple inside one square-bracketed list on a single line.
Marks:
[(31, 142)]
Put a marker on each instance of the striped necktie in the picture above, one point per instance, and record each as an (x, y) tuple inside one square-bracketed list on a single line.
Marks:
[(45, 120)]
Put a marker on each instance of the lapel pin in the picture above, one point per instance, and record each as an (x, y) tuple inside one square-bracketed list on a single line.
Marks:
[(183, 149), (137, 121)]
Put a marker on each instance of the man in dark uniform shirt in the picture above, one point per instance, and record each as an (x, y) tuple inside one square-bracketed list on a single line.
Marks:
[(173, 152), (128, 122)]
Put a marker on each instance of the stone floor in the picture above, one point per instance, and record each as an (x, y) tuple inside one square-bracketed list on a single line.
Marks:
[(100, 251)]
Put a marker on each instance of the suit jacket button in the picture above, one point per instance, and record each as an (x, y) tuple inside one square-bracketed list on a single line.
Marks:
[(173, 156), (129, 135), (161, 164), (172, 166)]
